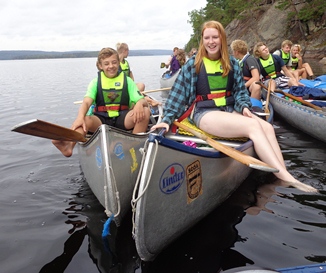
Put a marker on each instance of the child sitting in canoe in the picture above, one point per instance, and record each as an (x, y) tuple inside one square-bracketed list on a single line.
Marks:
[(117, 102)]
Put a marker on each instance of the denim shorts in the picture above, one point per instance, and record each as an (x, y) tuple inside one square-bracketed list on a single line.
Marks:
[(199, 112)]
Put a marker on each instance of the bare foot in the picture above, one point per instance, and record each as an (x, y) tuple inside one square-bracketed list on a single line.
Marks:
[(299, 185), (65, 147)]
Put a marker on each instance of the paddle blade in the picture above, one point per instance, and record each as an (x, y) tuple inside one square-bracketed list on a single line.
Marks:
[(39, 128)]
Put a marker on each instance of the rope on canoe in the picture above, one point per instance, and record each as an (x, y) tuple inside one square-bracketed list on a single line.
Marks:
[(135, 199)]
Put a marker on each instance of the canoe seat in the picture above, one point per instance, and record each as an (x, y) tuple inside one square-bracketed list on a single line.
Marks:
[(192, 126)]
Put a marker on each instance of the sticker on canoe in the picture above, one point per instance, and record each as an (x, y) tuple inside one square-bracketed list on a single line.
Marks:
[(98, 157), (172, 178), (134, 160), (194, 181), (118, 150)]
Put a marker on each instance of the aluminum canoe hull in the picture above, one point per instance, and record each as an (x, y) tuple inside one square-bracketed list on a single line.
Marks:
[(178, 188), (110, 161), (165, 83), (306, 119)]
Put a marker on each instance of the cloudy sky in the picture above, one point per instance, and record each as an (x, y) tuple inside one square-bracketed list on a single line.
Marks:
[(64, 25)]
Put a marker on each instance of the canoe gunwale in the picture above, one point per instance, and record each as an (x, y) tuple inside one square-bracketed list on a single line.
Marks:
[(306, 119)]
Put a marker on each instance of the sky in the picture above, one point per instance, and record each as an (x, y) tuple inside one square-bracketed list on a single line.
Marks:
[(90, 25)]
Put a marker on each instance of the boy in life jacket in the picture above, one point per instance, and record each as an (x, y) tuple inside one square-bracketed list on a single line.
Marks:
[(117, 100), (272, 67), (285, 54), (250, 67)]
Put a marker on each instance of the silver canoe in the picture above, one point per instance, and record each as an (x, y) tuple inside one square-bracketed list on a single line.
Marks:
[(164, 82), (110, 161), (306, 119), (179, 186)]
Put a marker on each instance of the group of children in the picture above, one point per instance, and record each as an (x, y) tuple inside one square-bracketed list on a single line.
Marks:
[(283, 68), (212, 82)]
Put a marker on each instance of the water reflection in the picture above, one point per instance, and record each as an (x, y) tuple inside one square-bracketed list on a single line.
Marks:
[(208, 247)]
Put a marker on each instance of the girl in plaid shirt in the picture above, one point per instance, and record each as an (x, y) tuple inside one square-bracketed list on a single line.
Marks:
[(214, 81)]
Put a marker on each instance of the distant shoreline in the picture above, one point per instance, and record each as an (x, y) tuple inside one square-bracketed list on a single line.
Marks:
[(37, 54)]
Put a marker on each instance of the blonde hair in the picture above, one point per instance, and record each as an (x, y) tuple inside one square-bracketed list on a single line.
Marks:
[(298, 46), (105, 53), (257, 47), (286, 42), (225, 59), (121, 47), (240, 46)]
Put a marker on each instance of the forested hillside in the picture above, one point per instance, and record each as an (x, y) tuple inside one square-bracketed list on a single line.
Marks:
[(301, 21)]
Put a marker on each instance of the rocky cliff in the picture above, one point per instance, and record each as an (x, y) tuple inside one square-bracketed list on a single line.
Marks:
[(269, 24)]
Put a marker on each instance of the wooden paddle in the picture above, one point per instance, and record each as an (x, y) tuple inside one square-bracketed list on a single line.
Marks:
[(229, 151), (293, 97), (267, 98), (39, 128), (156, 90)]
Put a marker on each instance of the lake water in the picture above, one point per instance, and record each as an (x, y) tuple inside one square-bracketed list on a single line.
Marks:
[(51, 221)]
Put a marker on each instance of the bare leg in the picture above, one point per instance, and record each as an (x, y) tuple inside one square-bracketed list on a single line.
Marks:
[(66, 147), (255, 91), (295, 73), (235, 125), (308, 69), (139, 127)]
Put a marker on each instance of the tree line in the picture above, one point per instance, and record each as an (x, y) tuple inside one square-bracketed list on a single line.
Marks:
[(299, 12)]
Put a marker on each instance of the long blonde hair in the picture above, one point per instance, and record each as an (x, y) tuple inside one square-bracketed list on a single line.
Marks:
[(225, 59)]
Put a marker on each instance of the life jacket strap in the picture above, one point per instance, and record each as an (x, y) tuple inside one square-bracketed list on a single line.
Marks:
[(110, 108), (213, 96)]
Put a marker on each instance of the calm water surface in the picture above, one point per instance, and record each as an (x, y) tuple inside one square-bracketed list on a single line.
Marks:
[(51, 221)]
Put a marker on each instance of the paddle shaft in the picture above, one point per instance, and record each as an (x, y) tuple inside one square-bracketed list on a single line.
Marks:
[(267, 98), (48, 130), (229, 151), (156, 90), (292, 97)]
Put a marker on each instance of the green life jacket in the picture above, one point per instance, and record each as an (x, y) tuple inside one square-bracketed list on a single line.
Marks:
[(285, 56), (112, 95), (269, 69), (125, 68), (213, 90), (295, 63)]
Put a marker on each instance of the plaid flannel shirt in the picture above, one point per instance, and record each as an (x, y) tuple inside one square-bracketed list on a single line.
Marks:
[(183, 92)]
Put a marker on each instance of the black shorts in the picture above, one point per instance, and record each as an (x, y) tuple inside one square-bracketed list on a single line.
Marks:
[(118, 122)]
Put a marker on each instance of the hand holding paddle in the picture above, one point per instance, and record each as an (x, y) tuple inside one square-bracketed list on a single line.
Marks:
[(231, 152)]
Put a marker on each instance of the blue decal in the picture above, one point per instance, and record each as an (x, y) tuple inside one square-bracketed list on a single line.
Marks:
[(172, 178), (118, 150), (98, 157)]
